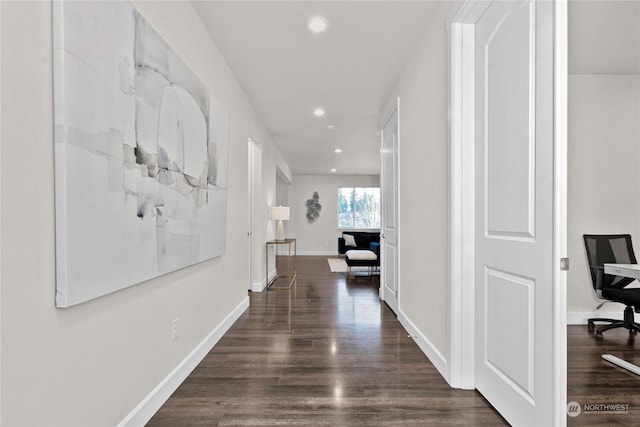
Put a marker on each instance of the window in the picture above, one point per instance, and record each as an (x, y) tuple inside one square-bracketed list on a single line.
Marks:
[(358, 207)]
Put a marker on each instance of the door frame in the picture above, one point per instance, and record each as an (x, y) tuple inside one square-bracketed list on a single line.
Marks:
[(254, 160), (250, 191), (461, 320), (394, 110)]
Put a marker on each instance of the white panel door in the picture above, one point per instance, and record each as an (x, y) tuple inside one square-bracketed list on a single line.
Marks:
[(514, 210), (389, 203), (250, 190), (256, 252)]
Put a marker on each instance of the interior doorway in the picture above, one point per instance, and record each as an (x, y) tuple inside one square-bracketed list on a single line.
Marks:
[(482, 143), (390, 137), (254, 170)]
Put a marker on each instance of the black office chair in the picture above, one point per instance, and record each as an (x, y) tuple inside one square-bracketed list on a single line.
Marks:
[(615, 249)]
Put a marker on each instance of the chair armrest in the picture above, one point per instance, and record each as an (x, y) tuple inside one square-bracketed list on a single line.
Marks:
[(342, 249), (599, 271), (375, 248)]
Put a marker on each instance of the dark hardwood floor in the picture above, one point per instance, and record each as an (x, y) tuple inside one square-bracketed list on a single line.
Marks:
[(593, 382), (327, 352)]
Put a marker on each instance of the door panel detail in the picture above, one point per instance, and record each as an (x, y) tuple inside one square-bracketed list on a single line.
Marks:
[(509, 301), (509, 117), (514, 179)]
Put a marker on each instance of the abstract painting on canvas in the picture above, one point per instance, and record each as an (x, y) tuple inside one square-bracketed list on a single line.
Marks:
[(140, 154)]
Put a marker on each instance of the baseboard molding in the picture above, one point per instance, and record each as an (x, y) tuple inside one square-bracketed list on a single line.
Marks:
[(261, 286), (580, 317), (432, 353), (318, 253), (258, 286), (143, 412)]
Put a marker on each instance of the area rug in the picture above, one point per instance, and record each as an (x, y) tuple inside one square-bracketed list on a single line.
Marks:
[(337, 265)]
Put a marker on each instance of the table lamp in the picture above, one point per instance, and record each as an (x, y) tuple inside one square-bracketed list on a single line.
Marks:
[(280, 213)]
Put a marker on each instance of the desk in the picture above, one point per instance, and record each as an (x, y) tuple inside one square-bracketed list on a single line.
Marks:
[(625, 270), (291, 263)]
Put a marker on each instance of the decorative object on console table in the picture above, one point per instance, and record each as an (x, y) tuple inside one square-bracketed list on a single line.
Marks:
[(313, 208), (280, 213)]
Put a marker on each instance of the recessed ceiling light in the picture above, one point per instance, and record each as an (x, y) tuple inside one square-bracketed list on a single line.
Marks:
[(317, 24), (333, 170), (337, 150), (331, 127), (318, 112)]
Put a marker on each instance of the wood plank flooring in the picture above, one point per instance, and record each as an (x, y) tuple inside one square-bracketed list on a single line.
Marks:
[(592, 381), (326, 352), (329, 353)]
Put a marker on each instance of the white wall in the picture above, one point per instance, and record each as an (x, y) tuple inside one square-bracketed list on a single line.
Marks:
[(93, 363), (282, 192), (604, 175), (604, 138), (423, 169), (320, 237)]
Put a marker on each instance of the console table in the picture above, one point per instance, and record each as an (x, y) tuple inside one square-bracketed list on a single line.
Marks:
[(290, 277)]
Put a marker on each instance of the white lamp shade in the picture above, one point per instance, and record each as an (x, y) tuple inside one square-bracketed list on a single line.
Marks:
[(280, 213)]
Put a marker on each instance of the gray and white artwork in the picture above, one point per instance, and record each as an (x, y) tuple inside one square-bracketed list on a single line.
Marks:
[(140, 154), (313, 208)]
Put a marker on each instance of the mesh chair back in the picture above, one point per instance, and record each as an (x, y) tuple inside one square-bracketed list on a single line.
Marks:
[(609, 248)]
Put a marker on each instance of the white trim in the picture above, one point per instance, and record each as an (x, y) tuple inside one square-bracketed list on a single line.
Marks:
[(250, 206), (262, 285), (435, 357), (461, 271), (581, 317), (560, 180), (318, 253), (284, 252), (467, 12), (143, 412), (258, 286), (1, 258), (399, 212), (454, 270)]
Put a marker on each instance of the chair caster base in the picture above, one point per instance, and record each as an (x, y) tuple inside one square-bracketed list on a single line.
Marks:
[(599, 337)]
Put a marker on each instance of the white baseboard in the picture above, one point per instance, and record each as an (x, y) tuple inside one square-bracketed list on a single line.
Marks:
[(258, 286), (284, 253), (318, 253), (432, 353), (580, 317), (261, 286), (142, 413)]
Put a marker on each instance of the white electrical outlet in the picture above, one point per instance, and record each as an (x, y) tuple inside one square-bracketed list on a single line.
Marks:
[(174, 329)]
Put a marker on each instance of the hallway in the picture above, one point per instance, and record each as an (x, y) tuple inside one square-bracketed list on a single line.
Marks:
[(325, 353)]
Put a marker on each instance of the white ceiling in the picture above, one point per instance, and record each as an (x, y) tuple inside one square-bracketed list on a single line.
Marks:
[(604, 37), (349, 70)]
